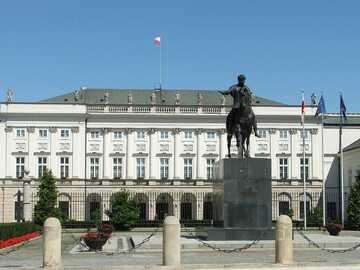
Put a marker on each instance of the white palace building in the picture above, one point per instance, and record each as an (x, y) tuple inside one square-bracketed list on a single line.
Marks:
[(161, 145)]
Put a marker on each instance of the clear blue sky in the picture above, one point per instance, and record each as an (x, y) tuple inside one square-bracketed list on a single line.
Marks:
[(49, 47)]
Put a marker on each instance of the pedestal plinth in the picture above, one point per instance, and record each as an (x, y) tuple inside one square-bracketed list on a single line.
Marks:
[(242, 200)]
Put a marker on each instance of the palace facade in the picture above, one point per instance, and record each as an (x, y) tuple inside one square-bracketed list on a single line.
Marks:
[(161, 146)]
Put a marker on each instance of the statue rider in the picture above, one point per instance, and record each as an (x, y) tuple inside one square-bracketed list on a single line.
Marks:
[(236, 91)]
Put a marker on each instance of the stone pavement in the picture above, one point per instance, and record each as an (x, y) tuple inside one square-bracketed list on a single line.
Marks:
[(195, 255)]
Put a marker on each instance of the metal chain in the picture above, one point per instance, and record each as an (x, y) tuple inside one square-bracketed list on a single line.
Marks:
[(10, 250), (135, 246), (247, 246), (325, 249)]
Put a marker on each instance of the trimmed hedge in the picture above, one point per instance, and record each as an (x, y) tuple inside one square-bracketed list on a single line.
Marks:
[(16, 229)]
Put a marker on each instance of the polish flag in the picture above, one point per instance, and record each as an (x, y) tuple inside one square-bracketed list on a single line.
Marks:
[(302, 109), (157, 40)]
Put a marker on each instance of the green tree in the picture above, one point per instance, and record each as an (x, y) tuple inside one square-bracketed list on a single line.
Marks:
[(315, 217), (124, 211), (353, 218), (46, 206)]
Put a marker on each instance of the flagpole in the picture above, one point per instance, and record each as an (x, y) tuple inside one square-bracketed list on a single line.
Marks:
[(341, 166), (160, 65), (304, 180), (322, 165)]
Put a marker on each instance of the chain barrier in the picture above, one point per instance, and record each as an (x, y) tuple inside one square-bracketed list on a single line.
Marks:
[(325, 249), (10, 250), (133, 245), (247, 246)]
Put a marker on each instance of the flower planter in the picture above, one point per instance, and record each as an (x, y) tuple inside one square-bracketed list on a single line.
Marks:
[(333, 228), (95, 243)]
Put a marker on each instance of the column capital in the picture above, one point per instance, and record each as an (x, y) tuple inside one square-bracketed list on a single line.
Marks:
[(222, 131), (106, 130), (199, 131), (293, 131), (75, 129), (151, 130), (9, 129), (272, 130), (176, 130), (313, 131), (31, 129), (129, 130), (53, 129)]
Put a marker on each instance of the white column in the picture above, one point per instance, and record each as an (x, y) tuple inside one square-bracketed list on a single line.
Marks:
[(78, 149), (129, 153), (9, 160), (106, 164), (222, 143), (152, 153), (199, 152), (293, 151), (273, 150), (26, 196), (315, 149), (52, 149), (176, 158), (31, 148)]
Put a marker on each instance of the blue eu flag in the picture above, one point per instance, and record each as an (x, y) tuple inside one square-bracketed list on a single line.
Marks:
[(321, 107), (343, 110)]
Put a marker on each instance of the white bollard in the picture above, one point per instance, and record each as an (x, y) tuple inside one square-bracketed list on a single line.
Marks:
[(52, 243), (283, 240), (171, 241)]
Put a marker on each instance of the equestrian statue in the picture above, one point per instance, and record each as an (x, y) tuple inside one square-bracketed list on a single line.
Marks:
[(241, 119)]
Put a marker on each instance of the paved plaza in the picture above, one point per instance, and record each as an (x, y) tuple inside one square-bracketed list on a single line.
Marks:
[(194, 254)]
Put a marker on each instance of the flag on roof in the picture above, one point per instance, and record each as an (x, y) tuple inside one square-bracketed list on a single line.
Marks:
[(343, 110), (302, 109), (157, 40), (321, 106)]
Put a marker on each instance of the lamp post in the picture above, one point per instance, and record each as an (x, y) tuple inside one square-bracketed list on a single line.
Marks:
[(26, 193)]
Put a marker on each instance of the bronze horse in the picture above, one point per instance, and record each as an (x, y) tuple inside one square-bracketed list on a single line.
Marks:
[(242, 126)]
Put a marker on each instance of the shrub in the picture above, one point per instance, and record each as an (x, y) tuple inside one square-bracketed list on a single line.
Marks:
[(16, 229), (46, 206), (353, 213), (124, 211)]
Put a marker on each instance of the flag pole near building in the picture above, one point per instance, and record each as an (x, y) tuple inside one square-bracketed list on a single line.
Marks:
[(303, 147), (157, 42), (342, 118), (322, 109)]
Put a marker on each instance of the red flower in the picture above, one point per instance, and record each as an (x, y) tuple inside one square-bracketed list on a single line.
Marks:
[(17, 240), (95, 235)]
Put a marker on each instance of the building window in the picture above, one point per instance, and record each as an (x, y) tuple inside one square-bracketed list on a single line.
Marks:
[(304, 134), (302, 209), (164, 168), (94, 168), (164, 135), (210, 135), (140, 167), (64, 167), (350, 176), (283, 134), (94, 135), (331, 210), (117, 135), (20, 167), (262, 133), (64, 133), (64, 208), (42, 165), (188, 134), (140, 135), (117, 167), (284, 208), (210, 168), (283, 168), (306, 168), (20, 133), (43, 133), (188, 168)]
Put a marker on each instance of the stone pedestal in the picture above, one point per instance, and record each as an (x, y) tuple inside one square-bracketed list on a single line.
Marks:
[(242, 200)]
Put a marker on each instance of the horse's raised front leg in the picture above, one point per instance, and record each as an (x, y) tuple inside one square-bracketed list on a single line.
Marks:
[(229, 136)]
